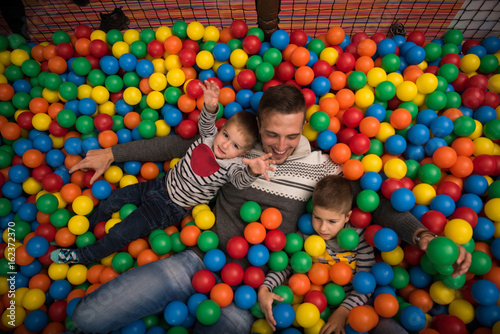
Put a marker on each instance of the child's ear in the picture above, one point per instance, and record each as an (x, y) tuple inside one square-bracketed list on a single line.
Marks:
[(348, 216)]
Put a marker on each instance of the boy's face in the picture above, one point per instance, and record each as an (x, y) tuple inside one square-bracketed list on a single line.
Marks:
[(327, 222), (230, 143)]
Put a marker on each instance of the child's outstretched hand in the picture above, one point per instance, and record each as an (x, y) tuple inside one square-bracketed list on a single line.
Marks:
[(336, 322), (266, 298), (260, 165), (210, 96)]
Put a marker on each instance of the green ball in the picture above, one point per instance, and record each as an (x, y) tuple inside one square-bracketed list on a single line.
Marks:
[(37, 92), (334, 294), (412, 167), (14, 73), (444, 270), (60, 217), (154, 234), (357, 156), (427, 265), (285, 292), (278, 261), (481, 263), (442, 251), (411, 107), (492, 129), (235, 44), (21, 229), (469, 245), (47, 203), (114, 36), (356, 80), (309, 206), (151, 321), (327, 312), (6, 267), (453, 36), (489, 64), (250, 212), (172, 95), (442, 84), (454, 283), (5, 161), (316, 45), (376, 147), (256, 310), (139, 49), (319, 121), (449, 48), (432, 51), (126, 210), (494, 190), (264, 72), (96, 77), (66, 118), (404, 132), (208, 312), (294, 243), (131, 79), (179, 29), (85, 239), (401, 278), (68, 90), (147, 35), (147, 129), (464, 126), (21, 100), (177, 245), (31, 68), (68, 324), (113, 83), (453, 100), (273, 56), (429, 173), (259, 85), (84, 124), (209, 46), (81, 66), (390, 63), (208, 240), (367, 200), (385, 90), (122, 262), (256, 31), (16, 40), (118, 123), (301, 262), (448, 71), (161, 244), (52, 81), (348, 238), (436, 100), (253, 62), (60, 37), (4, 43), (149, 114)]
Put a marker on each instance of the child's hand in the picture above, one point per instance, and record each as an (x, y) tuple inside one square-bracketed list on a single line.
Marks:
[(210, 96), (266, 299), (336, 322), (260, 165)]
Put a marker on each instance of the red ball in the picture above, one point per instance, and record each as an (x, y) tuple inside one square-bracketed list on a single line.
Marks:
[(271, 83), (156, 49), (83, 31), (57, 311), (216, 80), (479, 80), (352, 117), (52, 183), (254, 277), (103, 122), (360, 218), (359, 143), (24, 120), (346, 62), (389, 186), (99, 230), (285, 71), (239, 28), (472, 97), (434, 221), (491, 99), (45, 258), (194, 116), (115, 97), (203, 281), (377, 37), (413, 255), (465, 213), (322, 69), (451, 58), (246, 79), (407, 183), (317, 298), (187, 57), (298, 37), (485, 164), (193, 89), (451, 189), (220, 123), (187, 129), (309, 96), (232, 273), (237, 247), (370, 233), (294, 83), (451, 324), (56, 129), (65, 50), (275, 240), (94, 61), (251, 44), (48, 231), (416, 37), (352, 49), (345, 135), (189, 44), (468, 44), (40, 172), (460, 82), (88, 176), (98, 48), (432, 69), (358, 37)]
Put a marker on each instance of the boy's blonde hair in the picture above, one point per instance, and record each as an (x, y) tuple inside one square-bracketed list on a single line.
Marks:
[(333, 192), (247, 125)]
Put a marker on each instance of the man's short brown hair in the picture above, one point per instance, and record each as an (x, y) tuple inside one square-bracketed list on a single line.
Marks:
[(281, 99), (333, 192)]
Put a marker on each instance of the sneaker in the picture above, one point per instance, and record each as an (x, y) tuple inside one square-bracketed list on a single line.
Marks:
[(81, 3), (64, 255)]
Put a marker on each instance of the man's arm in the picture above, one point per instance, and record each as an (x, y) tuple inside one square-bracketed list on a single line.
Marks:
[(154, 149)]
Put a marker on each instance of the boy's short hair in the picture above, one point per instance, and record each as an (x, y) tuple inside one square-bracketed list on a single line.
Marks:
[(247, 125), (333, 192), (282, 99)]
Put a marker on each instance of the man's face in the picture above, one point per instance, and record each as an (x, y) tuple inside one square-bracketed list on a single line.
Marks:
[(280, 134)]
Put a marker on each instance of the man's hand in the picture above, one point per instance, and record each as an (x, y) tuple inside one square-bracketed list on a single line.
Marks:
[(98, 160), (210, 96), (266, 299), (260, 165)]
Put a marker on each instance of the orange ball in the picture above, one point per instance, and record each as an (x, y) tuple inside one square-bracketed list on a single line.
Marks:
[(77, 178), (370, 126), (271, 218), (107, 138), (319, 273), (49, 51), (11, 131), (107, 274), (173, 45), (386, 305), (189, 235), (6, 92), (189, 72), (92, 288), (146, 256), (94, 273), (222, 294), (137, 246), (330, 105), (367, 47), (444, 157), (39, 105), (411, 73), (338, 80), (131, 120), (340, 153), (172, 229), (37, 53), (346, 98), (82, 46), (88, 193), (353, 169), (452, 113), (255, 233), (340, 273), (3, 119), (225, 35), (334, 125), (40, 281), (463, 167), (57, 65), (421, 299), (149, 170), (42, 218), (463, 146), (54, 328), (75, 294), (72, 160), (400, 118), (287, 52), (364, 64), (54, 109), (493, 275), (300, 56), (304, 75), (64, 238), (186, 103), (299, 284), (335, 35), (363, 318), (22, 256), (226, 96), (144, 86), (32, 158)]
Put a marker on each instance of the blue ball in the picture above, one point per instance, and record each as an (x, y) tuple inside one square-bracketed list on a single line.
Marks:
[(371, 180), (21, 85), (384, 289), (101, 189), (395, 144), (36, 321), (132, 167), (145, 68), (403, 49), (87, 106), (415, 55), (258, 255), (377, 111), (225, 73), (284, 314), (441, 126), (22, 145), (433, 144), (135, 134), (345, 42), (136, 327), (491, 44), (418, 134), (18, 173), (62, 171), (386, 46), (127, 62), (189, 322), (231, 109), (403, 199), (244, 98), (20, 280), (419, 210), (221, 52), (124, 136), (478, 50), (466, 111), (484, 114), (12, 190), (37, 246), (214, 259), (291, 331), (109, 65), (495, 248), (488, 315), (426, 116), (156, 330), (264, 46), (413, 318), (485, 292), (27, 212), (326, 139), (70, 308), (320, 86), (73, 106), (55, 158), (313, 59), (476, 184), (194, 301), (90, 143), (382, 272), (31, 269), (73, 145), (484, 229), (386, 239), (173, 117), (471, 201), (43, 143), (60, 289), (419, 278), (206, 74), (280, 39), (255, 100), (399, 40), (245, 297), (414, 152), (364, 282), (443, 203), (75, 78), (122, 107), (17, 202), (175, 313), (305, 224)]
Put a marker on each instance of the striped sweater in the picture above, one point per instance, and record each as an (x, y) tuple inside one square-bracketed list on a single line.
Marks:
[(359, 259)]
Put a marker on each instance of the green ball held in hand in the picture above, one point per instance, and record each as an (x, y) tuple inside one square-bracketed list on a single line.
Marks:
[(348, 238), (285, 292), (442, 251), (250, 211)]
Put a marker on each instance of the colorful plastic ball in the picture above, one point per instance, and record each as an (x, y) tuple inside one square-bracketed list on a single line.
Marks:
[(37, 246), (258, 255), (208, 312), (363, 318), (46, 203), (250, 211), (386, 239), (485, 292), (348, 238), (307, 315), (245, 297), (203, 281), (395, 168), (443, 203), (413, 318), (403, 199), (284, 314), (280, 39), (214, 260), (175, 313), (367, 200)]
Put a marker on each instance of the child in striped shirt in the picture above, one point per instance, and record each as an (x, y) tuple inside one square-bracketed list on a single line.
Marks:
[(332, 202), (210, 162)]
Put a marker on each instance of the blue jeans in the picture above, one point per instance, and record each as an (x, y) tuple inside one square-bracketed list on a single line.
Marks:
[(147, 290), (155, 210)]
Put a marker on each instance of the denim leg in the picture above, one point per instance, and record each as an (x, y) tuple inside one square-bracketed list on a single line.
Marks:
[(137, 293), (388, 326)]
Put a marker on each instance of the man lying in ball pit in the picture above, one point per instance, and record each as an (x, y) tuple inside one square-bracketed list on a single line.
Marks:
[(148, 289)]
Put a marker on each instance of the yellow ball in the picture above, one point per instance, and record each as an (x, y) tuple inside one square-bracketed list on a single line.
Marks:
[(238, 58), (309, 132), (4, 285), (155, 100), (171, 62), (159, 65), (315, 245), (375, 76), (307, 315), (217, 64), (419, 99), (12, 318), (52, 96), (483, 145), (406, 91), (107, 261), (364, 98), (205, 59), (395, 168), (458, 230), (77, 274), (478, 131), (31, 186), (173, 162), (311, 110), (34, 299), (84, 91), (372, 163), (330, 55), (176, 77), (394, 257), (5, 58), (427, 83), (98, 34), (462, 309), (211, 33), (316, 328), (198, 208), (441, 294), (195, 31), (128, 180), (131, 35), (99, 94), (162, 33), (162, 128), (261, 326), (3, 79), (110, 223), (41, 122), (205, 219), (470, 63), (107, 108), (78, 224), (386, 130), (395, 78), (82, 205), (113, 175), (424, 193), (18, 56), (132, 95), (492, 209), (119, 49), (494, 83)]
